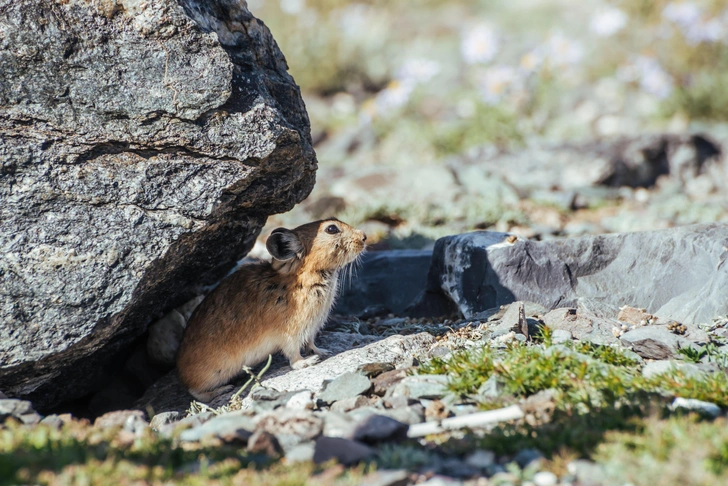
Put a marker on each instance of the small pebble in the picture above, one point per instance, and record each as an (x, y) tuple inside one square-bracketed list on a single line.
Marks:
[(545, 478)]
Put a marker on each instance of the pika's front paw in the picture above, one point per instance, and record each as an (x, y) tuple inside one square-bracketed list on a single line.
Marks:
[(305, 363)]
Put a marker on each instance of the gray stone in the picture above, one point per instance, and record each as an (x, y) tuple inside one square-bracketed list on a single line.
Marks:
[(654, 342), (140, 159), (599, 274), (385, 477), (302, 424), (442, 352), (387, 278), (586, 473), (582, 325), (300, 453), (337, 424), (301, 401), (164, 338), (387, 380), (409, 414), (481, 459), (190, 422), (346, 451), (349, 404), (694, 405), (545, 478), (53, 421), (491, 388), (130, 420), (514, 319), (378, 428), (163, 418), (422, 386), (660, 367), (228, 428), (373, 370), (560, 336), (345, 386), (21, 410), (629, 161), (394, 349)]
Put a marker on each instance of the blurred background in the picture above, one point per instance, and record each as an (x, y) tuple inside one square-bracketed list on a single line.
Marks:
[(547, 118)]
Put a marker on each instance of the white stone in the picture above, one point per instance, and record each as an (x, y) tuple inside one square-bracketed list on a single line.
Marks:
[(545, 478), (301, 401)]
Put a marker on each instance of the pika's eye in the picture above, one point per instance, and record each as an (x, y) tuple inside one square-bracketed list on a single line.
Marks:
[(332, 229)]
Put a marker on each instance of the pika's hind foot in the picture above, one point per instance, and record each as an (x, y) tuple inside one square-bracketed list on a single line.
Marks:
[(208, 396), (320, 352), (305, 363)]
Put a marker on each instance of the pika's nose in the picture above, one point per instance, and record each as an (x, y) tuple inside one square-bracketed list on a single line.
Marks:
[(363, 237)]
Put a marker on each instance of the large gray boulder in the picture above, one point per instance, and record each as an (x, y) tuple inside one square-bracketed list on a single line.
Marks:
[(679, 273), (142, 146)]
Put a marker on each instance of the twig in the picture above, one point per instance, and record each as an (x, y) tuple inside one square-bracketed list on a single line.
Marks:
[(473, 420), (253, 377)]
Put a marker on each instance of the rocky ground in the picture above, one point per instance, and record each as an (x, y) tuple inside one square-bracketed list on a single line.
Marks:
[(518, 396), (540, 353)]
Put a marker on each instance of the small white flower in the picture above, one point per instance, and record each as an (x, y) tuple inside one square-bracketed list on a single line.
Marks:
[(293, 7), (649, 74), (418, 70), (562, 51), (532, 60), (495, 82), (396, 94), (480, 44), (608, 22), (685, 14)]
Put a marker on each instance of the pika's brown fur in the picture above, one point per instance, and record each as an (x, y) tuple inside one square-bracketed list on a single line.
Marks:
[(268, 307)]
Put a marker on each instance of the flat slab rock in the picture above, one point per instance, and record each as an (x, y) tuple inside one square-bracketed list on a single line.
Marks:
[(679, 273), (141, 154), (350, 352)]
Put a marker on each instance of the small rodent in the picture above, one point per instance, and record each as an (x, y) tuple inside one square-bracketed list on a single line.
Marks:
[(267, 307)]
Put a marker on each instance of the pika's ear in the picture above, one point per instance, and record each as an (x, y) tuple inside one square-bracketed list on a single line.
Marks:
[(284, 245)]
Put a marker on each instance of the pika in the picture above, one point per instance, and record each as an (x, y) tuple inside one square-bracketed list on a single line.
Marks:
[(268, 307)]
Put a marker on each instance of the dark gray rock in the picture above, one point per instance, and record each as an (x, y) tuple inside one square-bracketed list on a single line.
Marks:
[(141, 150), (675, 274), (345, 451), (21, 410), (575, 168), (526, 457), (229, 428), (390, 279), (345, 386), (378, 428), (654, 342)]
